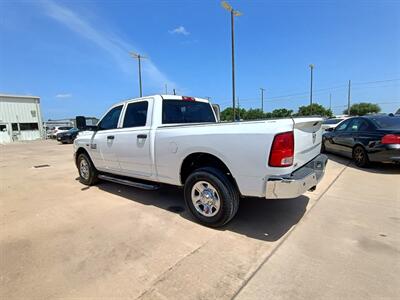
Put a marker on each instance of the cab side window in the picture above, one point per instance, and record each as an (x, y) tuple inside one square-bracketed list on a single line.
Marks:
[(136, 114), (110, 120)]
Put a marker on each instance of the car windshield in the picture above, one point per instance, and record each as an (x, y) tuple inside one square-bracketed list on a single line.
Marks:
[(332, 121), (387, 122)]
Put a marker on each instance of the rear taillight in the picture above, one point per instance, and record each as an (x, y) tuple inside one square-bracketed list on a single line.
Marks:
[(282, 150), (391, 139)]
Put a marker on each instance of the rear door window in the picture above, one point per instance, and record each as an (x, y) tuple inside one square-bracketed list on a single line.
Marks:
[(110, 120), (181, 111), (136, 114)]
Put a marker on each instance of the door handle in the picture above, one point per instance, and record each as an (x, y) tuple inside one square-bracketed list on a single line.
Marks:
[(142, 136), (110, 137)]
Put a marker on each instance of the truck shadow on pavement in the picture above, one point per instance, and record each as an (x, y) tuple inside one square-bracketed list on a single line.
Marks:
[(257, 218)]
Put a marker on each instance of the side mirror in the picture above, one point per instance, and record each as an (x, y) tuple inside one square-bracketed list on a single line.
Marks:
[(80, 123), (330, 129)]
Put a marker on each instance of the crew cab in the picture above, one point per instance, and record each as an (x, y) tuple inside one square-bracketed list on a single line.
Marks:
[(178, 140)]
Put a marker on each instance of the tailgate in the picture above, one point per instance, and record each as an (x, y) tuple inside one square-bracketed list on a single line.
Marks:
[(307, 140)]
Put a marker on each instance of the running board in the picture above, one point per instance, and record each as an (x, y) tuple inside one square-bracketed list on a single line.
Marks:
[(143, 186)]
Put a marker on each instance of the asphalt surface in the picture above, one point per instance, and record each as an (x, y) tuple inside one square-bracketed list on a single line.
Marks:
[(60, 239)]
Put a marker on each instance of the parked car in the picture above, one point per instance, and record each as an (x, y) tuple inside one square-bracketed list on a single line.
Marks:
[(372, 138), (68, 137), (59, 129), (177, 140), (331, 123)]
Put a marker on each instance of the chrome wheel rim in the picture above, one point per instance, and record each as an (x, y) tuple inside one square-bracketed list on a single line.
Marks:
[(205, 198), (358, 155), (84, 169)]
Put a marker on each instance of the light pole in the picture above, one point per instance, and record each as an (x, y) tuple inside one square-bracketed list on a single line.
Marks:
[(348, 98), (262, 99), (139, 58), (234, 13), (311, 87)]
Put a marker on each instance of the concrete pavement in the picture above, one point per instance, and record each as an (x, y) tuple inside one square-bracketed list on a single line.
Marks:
[(348, 247), (60, 239)]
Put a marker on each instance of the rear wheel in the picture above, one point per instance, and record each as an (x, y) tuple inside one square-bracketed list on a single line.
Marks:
[(360, 157), (87, 171), (211, 197), (323, 150)]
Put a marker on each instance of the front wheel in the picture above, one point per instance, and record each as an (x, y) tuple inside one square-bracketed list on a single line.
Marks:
[(87, 171), (211, 197), (360, 157)]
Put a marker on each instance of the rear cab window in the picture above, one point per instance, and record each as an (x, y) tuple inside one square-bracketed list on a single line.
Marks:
[(185, 111)]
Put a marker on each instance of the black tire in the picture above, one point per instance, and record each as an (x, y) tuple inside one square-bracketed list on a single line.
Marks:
[(323, 150), (89, 178), (360, 157), (226, 192)]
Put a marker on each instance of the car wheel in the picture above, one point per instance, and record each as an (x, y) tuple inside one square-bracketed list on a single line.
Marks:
[(87, 171), (211, 197), (323, 149), (360, 157)]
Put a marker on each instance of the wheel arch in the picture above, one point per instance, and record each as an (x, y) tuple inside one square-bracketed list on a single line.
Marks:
[(78, 152), (198, 160)]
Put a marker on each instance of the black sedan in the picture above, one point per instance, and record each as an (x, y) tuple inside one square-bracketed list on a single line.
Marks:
[(68, 137), (372, 138)]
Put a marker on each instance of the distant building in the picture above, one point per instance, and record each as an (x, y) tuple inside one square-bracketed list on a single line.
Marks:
[(20, 118), (51, 124)]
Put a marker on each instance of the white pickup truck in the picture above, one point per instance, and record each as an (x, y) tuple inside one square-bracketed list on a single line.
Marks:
[(177, 140)]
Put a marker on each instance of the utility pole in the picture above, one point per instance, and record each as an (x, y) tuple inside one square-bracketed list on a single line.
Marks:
[(166, 89), (238, 107), (311, 87), (330, 101), (174, 91), (262, 99), (234, 13), (139, 58), (348, 98)]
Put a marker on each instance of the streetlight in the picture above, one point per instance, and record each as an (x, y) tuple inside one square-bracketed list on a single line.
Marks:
[(262, 99), (311, 87), (139, 57), (234, 13)]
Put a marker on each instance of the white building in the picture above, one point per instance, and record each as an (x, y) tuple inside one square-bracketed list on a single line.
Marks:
[(20, 118)]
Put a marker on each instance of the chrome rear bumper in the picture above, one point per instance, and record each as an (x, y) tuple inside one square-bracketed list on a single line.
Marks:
[(297, 183)]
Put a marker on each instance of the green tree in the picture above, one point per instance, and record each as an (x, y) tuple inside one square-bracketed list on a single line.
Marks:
[(227, 114), (254, 114), (363, 108), (315, 109), (281, 113)]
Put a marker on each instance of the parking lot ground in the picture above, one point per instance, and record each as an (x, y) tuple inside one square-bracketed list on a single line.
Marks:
[(60, 239), (347, 248)]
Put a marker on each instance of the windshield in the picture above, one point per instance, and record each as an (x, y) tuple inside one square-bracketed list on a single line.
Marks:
[(332, 121), (181, 111), (387, 122)]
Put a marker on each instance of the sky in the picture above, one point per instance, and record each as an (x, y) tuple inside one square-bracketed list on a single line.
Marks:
[(75, 54)]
